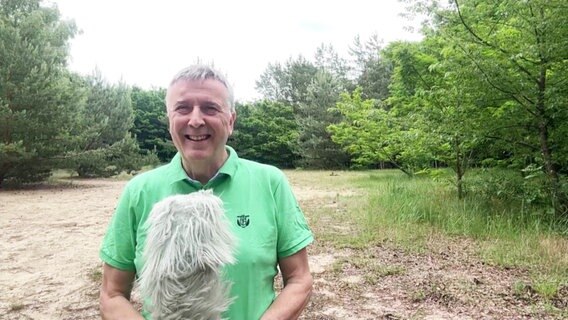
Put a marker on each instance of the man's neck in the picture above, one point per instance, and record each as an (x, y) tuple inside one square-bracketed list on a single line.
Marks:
[(204, 171)]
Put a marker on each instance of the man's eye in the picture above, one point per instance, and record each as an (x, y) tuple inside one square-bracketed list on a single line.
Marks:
[(210, 109), (182, 109)]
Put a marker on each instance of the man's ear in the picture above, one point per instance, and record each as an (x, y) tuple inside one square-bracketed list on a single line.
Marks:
[(232, 121)]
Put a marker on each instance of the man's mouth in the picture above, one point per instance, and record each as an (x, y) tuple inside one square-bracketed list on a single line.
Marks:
[(197, 138)]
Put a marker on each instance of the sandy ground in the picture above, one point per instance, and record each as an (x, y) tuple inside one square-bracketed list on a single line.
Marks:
[(49, 246), (49, 266)]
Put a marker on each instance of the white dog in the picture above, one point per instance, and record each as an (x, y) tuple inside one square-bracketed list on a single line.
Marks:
[(188, 241)]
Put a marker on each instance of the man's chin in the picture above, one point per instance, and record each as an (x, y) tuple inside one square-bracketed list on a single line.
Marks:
[(197, 155)]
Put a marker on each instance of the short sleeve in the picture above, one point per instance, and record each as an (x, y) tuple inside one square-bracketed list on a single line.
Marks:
[(294, 233), (118, 248)]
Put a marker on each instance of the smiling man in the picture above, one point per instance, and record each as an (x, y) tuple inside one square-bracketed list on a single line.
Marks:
[(264, 215), (201, 120)]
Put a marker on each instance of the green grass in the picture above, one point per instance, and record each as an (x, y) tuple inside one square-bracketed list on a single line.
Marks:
[(420, 205), (95, 274), (62, 175), (411, 211)]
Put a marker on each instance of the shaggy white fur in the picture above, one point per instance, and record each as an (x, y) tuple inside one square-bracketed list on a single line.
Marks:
[(188, 241)]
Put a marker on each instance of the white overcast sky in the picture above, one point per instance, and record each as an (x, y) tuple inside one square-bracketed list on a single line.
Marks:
[(145, 43)]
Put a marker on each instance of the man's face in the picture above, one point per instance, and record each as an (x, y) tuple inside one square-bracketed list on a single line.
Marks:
[(200, 120)]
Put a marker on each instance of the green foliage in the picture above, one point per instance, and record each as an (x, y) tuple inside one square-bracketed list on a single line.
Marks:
[(511, 186), (372, 134), (267, 132), (373, 71), (357, 132), (15, 157), (435, 94), (151, 123), (102, 145), (122, 156), (428, 118), (125, 155), (287, 83), (107, 114), (517, 53), (311, 89), (37, 95), (313, 117)]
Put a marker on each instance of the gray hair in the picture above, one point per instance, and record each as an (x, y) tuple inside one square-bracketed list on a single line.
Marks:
[(204, 72), (189, 241)]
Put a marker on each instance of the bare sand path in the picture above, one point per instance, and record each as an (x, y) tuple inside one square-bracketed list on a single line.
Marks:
[(48, 248)]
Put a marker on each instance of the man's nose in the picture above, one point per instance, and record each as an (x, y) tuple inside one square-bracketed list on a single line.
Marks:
[(195, 118)]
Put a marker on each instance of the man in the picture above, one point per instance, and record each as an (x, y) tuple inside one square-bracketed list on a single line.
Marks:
[(259, 204)]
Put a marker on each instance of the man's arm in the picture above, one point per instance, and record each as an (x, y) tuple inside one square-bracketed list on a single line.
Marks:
[(297, 288), (115, 294)]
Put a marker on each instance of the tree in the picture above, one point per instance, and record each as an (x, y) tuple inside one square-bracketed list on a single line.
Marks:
[(328, 60), (151, 123), (37, 95), (103, 145), (430, 86), (287, 83), (313, 117), (373, 72), (518, 51), (107, 114), (266, 131), (311, 89), (372, 134)]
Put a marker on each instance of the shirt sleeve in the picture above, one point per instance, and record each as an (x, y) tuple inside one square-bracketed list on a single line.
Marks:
[(118, 248), (293, 231)]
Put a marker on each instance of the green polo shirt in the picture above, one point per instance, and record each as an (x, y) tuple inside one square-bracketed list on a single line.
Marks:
[(259, 204)]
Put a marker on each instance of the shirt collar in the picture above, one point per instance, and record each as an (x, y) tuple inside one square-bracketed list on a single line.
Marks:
[(228, 168)]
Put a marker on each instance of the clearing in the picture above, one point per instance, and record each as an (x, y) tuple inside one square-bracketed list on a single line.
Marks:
[(49, 266)]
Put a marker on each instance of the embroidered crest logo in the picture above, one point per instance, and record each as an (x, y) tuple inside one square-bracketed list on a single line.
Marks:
[(243, 221)]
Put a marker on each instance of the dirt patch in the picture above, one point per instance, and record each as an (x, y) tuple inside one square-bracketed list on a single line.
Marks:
[(49, 249), (49, 265)]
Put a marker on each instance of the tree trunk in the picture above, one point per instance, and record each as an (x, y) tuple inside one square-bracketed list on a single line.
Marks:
[(558, 199), (459, 169)]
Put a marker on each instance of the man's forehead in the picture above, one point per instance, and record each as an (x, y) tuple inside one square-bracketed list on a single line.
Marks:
[(180, 83), (191, 91), (208, 86)]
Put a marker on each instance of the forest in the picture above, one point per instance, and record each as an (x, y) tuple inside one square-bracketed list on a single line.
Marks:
[(482, 96)]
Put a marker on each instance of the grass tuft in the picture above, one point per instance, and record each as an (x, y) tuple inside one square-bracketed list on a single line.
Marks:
[(15, 307), (96, 274)]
